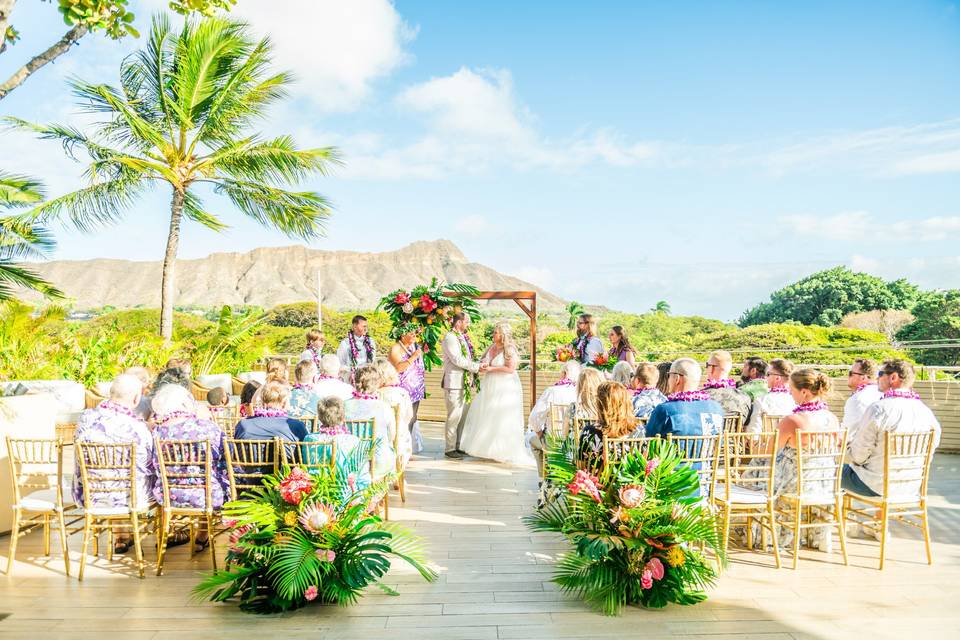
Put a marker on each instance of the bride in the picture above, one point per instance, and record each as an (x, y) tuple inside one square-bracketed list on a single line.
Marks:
[(494, 424)]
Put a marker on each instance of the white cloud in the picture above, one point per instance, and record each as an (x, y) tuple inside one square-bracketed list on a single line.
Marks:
[(947, 162), (864, 227), (540, 276), (473, 225)]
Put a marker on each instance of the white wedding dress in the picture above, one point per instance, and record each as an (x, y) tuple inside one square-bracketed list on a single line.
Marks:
[(494, 428)]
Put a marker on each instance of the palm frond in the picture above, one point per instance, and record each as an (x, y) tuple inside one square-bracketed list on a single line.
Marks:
[(276, 161), (99, 204), (297, 214), (19, 191)]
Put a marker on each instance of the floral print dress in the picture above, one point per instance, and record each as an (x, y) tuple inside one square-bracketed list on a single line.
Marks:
[(193, 428)]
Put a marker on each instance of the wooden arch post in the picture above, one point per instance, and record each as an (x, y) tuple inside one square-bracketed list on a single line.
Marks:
[(526, 300)]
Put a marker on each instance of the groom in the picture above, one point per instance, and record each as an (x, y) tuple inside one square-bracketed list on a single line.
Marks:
[(458, 357)]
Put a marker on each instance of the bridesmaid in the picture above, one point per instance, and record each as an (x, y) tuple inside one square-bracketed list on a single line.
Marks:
[(407, 359), (620, 347)]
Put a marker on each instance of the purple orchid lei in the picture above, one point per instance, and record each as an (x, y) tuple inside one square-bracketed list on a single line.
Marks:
[(813, 405), (909, 394), (315, 354), (687, 396), (779, 390), (565, 383), (263, 412), (364, 396), (720, 384), (339, 430), (580, 345), (110, 405), (466, 339), (355, 350), (302, 386), (174, 415)]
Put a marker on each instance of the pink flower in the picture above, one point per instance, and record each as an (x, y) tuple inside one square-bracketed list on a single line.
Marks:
[(427, 304), (235, 536), (587, 483), (402, 298), (352, 482), (655, 567), (631, 495), (326, 555), (295, 485), (311, 593), (651, 465), (317, 517), (646, 580), (230, 523)]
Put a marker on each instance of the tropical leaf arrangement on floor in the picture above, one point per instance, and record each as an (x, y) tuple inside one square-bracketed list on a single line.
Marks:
[(298, 540), (636, 530)]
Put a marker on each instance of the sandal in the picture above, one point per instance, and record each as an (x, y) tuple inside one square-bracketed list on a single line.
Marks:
[(178, 538), (120, 547), (200, 545)]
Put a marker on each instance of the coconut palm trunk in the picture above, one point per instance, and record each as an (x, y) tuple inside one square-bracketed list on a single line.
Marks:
[(169, 266)]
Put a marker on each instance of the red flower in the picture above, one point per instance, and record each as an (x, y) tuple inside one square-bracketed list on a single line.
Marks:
[(297, 483), (427, 304), (601, 359), (402, 298), (587, 483)]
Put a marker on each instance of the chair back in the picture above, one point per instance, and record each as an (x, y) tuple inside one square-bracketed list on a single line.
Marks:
[(226, 420), (771, 422), (559, 425), (615, 449), (312, 423), (199, 391), (366, 432), (313, 457), (754, 453), (732, 423), (185, 465), (820, 464), (108, 473), (906, 465), (702, 453), (248, 461), (35, 464)]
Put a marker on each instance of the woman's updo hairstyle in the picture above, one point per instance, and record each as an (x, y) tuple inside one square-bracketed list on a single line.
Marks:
[(816, 382)]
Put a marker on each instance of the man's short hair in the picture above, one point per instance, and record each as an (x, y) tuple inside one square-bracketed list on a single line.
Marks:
[(723, 358), (275, 392), (756, 363), (689, 369), (217, 397), (902, 368), (647, 374), (330, 365), (572, 369), (357, 320), (330, 412), (126, 388), (305, 371), (867, 367)]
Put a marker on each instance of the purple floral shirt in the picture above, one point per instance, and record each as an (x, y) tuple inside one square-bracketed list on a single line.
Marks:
[(106, 426), (412, 379), (194, 429)]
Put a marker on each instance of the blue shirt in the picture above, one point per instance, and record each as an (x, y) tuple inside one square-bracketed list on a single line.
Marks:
[(697, 418), (265, 428)]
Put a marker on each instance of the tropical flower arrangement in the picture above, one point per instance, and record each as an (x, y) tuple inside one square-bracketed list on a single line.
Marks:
[(430, 308), (564, 353), (298, 540), (603, 361), (636, 529)]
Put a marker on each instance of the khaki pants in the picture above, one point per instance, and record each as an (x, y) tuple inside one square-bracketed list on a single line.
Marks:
[(537, 444), (456, 415)]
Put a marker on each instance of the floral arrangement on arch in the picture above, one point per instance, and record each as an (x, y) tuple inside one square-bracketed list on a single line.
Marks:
[(635, 530), (298, 540), (430, 308)]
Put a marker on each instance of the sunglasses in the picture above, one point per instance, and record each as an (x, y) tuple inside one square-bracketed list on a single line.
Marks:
[(854, 373)]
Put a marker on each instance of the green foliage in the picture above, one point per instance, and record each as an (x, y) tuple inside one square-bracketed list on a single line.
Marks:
[(203, 7), (110, 16), (138, 321), (296, 314), (574, 311), (662, 306), (937, 318), (232, 347), (21, 237), (823, 298)]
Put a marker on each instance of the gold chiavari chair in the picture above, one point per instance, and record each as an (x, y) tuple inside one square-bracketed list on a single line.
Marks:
[(818, 495), (226, 420), (615, 449), (732, 423), (401, 469), (109, 476), (559, 425), (770, 421), (751, 496), (703, 454), (366, 432), (36, 473), (248, 461), (906, 473), (312, 423), (185, 465), (313, 457)]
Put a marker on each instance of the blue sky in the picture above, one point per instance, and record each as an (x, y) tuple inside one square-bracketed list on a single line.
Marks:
[(617, 153)]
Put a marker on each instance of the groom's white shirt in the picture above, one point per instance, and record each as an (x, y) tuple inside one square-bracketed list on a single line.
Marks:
[(454, 362)]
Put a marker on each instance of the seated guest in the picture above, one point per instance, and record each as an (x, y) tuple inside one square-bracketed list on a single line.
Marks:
[(720, 387), (585, 407), (396, 396), (173, 375), (366, 404), (177, 419), (246, 398), (687, 411), (271, 420), (143, 410), (777, 401), (620, 347), (753, 376), (646, 395), (217, 400), (899, 410), (563, 392), (663, 377), (330, 415), (303, 397), (862, 381), (314, 348), (328, 383), (114, 421), (276, 370), (615, 420), (623, 373)]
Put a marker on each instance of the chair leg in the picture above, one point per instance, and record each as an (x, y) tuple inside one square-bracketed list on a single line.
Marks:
[(163, 542), (403, 488), (797, 532), (96, 543), (775, 534), (46, 534), (386, 506), (87, 525), (883, 533), (842, 527), (750, 533), (726, 530), (14, 536), (926, 531), (110, 544), (64, 547), (138, 550), (210, 537)]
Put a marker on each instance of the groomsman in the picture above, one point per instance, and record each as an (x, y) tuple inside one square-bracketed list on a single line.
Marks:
[(458, 358), (356, 350), (587, 345)]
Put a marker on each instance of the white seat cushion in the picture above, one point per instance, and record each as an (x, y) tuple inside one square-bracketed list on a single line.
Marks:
[(741, 495), (44, 500), (118, 511)]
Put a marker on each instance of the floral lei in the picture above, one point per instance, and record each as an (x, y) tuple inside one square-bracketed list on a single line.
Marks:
[(339, 430), (909, 394), (565, 383), (355, 350), (315, 354), (466, 350), (720, 384), (687, 396), (364, 396), (110, 405), (813, 405), (580, 345), (780, 389), (302, 386), (164, 418), (263, 412)]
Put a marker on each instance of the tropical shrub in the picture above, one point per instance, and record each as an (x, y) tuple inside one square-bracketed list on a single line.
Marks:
[(937, 319), (634, 530), (297, 540)]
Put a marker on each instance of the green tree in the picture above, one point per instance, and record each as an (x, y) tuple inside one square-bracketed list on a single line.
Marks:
[(182, 116), (937, 319), (662, 307), (574, 311), (21, 238), (112, 17), (825, 297)]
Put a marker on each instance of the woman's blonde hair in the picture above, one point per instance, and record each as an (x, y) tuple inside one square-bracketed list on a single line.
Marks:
[(275, 393), (507, 332), (388, 373), (647, 374), (330, 411), (590, 380), (780, 367), (816, 382), (615, 410), (313, 335), (277, 369), (367, 379)]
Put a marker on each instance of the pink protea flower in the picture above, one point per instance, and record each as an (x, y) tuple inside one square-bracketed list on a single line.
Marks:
[(651, 465), (655, 567), (230, 523), (317, 517), (646, 580), (235, 536), (631, 495), (326, 555), (311, 593), (352, 482), (402, 298), (586, 482), (297, 483)]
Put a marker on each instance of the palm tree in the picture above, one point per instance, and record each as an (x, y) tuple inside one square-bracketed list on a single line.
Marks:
[(574, 310), (662, 307), (182, 116), (21, 237)]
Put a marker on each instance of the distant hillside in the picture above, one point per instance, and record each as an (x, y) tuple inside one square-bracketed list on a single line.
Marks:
[(271, 276)]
